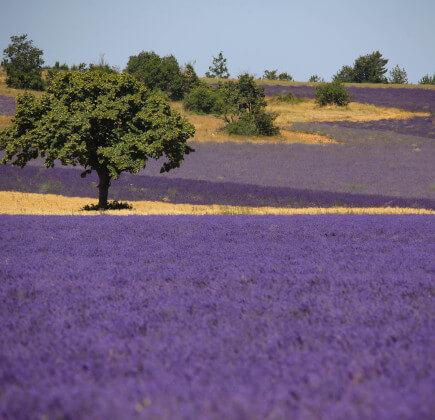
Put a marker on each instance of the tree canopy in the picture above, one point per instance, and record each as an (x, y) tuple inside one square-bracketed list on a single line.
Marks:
[(219, 68), (398, 75), (162, 73), (108, 123), (22, 62), (369, 68)]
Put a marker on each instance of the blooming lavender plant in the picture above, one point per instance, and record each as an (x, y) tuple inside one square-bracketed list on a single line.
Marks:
[(299, 317), (417, 126), (7, 105)]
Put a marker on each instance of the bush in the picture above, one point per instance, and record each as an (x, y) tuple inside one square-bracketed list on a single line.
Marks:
[(332, 93), (287, 98), (254, 124), (427, 80), (203, 100), (264, 123), (111, 205)]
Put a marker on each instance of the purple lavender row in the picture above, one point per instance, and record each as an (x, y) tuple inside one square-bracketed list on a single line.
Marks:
[(422, 100), (326, 317), (417, 126), (373, 168), (7, 105), (67, 182)]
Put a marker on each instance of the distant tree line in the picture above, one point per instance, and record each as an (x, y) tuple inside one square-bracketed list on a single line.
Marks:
[(23, 63)]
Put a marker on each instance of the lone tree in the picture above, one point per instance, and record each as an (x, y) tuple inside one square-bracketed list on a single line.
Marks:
[(108, 123), (219, 68), (22, 63)]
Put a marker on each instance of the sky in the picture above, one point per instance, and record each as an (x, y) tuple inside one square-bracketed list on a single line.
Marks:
[(301, 38)]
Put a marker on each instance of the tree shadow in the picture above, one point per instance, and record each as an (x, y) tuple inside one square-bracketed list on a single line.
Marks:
[(67, 182)]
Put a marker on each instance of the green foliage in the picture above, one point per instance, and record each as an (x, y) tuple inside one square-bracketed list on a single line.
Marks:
[(286, 98), (345, 75), (108, 123), (58, 66), (80, 67), (218, 68), (254, 124), (111, 205), (332, 93), (273, 75), (203, 100), (22, 63), (398, 76), (427, 80), (241, 96), (369, 68), (162, 73), (243, 107), (316, 79), (285, 76), (270, 75)]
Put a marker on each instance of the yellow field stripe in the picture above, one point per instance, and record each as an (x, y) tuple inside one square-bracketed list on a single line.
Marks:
[(12, 202)]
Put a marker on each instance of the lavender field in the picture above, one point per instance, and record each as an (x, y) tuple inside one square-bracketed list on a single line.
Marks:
[(422, 100), (244, 317), (7, 105), (371, 168), (217, 317)]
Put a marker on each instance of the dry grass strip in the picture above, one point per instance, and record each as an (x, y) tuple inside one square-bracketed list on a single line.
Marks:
[(50, 204), (309, 111)]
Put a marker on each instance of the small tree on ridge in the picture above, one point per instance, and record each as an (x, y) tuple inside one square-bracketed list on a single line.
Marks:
[(219, 68)]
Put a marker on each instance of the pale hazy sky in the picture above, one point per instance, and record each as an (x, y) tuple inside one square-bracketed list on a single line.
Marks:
[(299, 37)]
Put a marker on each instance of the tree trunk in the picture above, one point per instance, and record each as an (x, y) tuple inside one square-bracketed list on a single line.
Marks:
[(103, 188)]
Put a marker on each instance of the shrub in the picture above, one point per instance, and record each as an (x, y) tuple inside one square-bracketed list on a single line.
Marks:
[(203, 100), (243, 126), (264, 123), (254, 124), (427, 80), (332, 93), (288, 98), (111, 205)]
